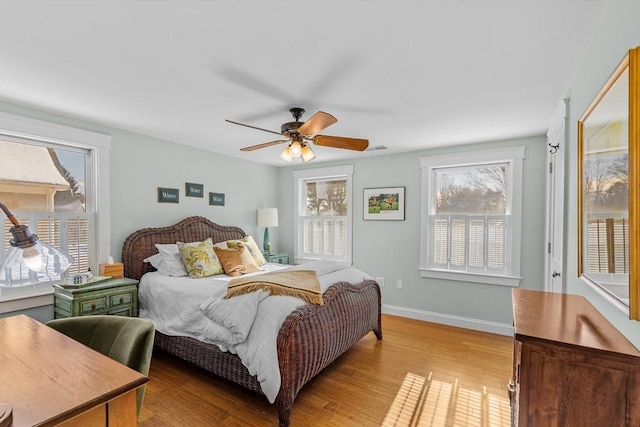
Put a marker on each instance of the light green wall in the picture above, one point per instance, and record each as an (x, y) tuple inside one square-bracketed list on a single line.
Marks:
[(619, 31), (141, 164), (391, 249)]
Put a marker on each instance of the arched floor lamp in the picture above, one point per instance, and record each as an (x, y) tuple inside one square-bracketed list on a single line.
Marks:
[(38, 257)]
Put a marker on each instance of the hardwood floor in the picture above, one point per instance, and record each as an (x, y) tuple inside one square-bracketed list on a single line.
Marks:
[(420, 374)]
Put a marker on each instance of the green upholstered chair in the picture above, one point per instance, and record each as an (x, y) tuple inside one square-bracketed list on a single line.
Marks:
[(128, 340)]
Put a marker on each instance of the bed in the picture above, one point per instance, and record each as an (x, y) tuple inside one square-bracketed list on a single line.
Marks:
[(310, 338)]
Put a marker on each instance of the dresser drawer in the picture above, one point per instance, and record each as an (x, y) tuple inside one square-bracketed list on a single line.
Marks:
[(63, 304), (123, 311), (121, 299), (280, 258), (95, 304)]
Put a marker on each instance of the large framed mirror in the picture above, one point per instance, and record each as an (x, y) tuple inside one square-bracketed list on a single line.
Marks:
[(609, 188)]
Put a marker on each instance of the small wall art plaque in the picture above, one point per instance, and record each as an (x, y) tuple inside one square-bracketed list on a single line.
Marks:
[(216, 199), (168, 195), (193, 190)]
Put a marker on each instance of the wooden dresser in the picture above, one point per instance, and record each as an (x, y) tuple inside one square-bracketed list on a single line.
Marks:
[(571, 367)]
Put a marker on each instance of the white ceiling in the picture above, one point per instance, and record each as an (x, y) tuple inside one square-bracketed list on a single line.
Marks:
[(408, 75)]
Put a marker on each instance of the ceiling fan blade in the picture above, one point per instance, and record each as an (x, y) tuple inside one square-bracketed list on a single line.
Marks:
[(264, 145), (248, 81), (316, 123), (252, 127), (341, 142)]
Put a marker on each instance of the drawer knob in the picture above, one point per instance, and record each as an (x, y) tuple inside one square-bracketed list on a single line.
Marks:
[(93, 306), (121, 300)]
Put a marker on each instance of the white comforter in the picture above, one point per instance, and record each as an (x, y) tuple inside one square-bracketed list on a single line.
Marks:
[(246, 325)]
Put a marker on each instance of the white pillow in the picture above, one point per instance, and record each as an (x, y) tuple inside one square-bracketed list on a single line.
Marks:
[(167, 249), (168, 261), (154, 260)]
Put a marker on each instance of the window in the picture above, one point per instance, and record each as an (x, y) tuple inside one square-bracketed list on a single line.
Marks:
[(323, 209), (49, 181), (471, 216)]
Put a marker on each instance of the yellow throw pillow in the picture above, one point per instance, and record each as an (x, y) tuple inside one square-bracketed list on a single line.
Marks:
[(251, 245), (236, 261), (200, 259)]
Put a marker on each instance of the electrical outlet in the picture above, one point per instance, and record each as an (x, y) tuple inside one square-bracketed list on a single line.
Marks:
[(399, 283), (380, 281)]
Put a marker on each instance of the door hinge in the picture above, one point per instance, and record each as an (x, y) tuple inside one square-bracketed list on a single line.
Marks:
[(549, 247), (550, 167)]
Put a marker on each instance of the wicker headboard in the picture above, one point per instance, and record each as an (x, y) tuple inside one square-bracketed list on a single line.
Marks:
[(141, 244)]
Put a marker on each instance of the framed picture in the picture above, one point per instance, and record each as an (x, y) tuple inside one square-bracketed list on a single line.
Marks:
[(386, 204), (168, 195), (608, 182), (193, 190), (216, 199)]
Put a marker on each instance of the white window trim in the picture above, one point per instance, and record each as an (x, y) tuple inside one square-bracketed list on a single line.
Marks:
[(514, 156), (13, 126), (328, 172)]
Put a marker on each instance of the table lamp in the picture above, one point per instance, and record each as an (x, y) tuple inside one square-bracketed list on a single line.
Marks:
[(27, 248), (267, 217)]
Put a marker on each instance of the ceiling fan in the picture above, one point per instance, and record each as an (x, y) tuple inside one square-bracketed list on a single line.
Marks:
[(300, 134)]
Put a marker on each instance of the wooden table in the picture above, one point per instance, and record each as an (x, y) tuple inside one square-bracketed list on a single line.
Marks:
[(50, 379)]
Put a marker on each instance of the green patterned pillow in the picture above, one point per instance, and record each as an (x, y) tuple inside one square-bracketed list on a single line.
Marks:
[(250, 244), (200, 259)]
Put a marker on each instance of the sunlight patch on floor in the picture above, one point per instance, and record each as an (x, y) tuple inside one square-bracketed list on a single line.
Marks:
[(430, 402)]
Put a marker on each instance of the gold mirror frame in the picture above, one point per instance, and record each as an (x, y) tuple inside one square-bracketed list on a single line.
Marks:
[(631, 65)]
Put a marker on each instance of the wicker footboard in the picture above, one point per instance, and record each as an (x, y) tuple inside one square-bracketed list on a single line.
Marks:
[(314, 336)]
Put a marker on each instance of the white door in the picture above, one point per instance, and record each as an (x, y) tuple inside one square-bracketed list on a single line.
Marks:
[(554, 224)]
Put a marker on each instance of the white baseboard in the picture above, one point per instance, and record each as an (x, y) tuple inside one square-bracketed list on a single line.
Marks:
[(448, 319)]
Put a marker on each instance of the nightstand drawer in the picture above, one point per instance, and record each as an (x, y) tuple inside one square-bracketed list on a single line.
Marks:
[(95, 304), (277, 258), (120, 299), (125, 311), (63, 304)]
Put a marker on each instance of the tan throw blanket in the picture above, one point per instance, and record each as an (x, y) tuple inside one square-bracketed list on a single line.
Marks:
[(303, 284)]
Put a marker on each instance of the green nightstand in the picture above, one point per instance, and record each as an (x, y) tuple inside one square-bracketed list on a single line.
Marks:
[(277, 258), (112, 296)]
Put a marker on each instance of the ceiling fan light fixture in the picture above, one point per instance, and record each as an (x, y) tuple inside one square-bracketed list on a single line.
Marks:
[(307, 153), (295, 149), (298, 134), (286, 155)]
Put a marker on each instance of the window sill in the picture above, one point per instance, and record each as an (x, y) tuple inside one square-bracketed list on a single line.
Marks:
[(462, 276), (26, 302)]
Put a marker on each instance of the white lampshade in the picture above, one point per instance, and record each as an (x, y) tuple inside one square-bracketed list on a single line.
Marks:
[(268, 217), (307, 153), (295, 149), (286, 155)]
